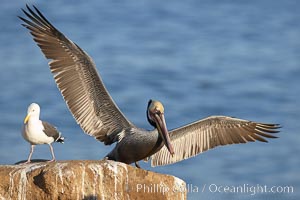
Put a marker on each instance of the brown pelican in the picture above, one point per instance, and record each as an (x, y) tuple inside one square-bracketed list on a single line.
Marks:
[(94, 110), (36, 131)]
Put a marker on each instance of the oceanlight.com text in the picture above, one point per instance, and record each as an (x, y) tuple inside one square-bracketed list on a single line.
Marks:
[(247, 189)]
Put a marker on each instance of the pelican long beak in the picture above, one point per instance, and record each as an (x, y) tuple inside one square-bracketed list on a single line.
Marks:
[(26, 118), (163, 131)]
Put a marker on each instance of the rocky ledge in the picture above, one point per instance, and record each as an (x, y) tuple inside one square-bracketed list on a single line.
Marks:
[(86, 180)]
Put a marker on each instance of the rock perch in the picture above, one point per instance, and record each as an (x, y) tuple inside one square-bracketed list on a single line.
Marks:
[(83, 180)]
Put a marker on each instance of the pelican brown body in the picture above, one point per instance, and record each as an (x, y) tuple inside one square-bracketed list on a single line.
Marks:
[(94, 110)]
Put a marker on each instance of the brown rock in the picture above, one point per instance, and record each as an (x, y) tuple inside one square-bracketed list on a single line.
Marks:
[(86, 180)]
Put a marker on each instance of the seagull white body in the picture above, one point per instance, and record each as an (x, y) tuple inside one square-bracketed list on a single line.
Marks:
[(37, 132), (33, 132)]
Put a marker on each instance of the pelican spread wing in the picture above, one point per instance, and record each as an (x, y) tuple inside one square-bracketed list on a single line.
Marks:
[(78, 81), (202, 135)]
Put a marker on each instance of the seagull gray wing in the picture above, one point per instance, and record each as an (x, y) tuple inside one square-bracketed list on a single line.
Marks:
[(202, 135), (51, 131), (78, 80)]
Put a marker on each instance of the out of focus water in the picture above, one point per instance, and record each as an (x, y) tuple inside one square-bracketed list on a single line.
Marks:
[(200, 58)]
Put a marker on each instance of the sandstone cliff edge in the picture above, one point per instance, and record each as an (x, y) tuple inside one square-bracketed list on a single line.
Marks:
[(86, 180)]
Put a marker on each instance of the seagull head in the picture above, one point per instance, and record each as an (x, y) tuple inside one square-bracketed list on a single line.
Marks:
[(33, 111)]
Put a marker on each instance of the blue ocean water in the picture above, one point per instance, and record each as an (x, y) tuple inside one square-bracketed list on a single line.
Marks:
[(200, 58)]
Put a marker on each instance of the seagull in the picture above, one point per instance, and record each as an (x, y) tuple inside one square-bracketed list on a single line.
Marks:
[(37, 132), (97, 114)]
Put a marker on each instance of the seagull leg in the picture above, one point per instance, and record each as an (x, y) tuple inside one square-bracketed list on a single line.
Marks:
[(52, 153), (137, 165), (30, 154)]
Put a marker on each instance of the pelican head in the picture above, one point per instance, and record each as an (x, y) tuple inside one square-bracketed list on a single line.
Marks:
[(32, 111), (155, 115)]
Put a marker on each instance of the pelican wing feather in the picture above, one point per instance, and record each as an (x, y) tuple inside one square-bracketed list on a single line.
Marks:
[(205, 134), (77, 78)]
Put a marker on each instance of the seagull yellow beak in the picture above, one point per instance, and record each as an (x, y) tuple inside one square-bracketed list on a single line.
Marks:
[(26, 119)]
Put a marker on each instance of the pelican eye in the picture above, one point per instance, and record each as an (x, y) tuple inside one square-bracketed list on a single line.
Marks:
[(157, 111)]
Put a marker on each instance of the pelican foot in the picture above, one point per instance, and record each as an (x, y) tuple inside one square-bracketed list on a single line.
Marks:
[(105, 158), (137, 165)]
